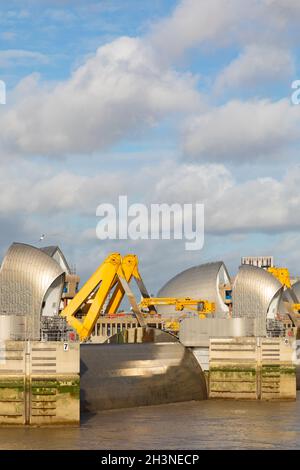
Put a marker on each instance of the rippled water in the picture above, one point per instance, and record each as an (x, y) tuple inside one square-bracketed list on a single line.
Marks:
[(193, 425)]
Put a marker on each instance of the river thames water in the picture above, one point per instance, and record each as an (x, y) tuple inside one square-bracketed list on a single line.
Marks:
[(191, 425)]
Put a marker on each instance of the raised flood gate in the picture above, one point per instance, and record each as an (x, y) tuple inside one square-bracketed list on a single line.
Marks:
[(141, 366), (39, 383), (252, 368)]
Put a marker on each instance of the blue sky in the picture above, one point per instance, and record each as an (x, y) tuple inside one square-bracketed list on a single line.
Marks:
[(66, 32), (162, 100)]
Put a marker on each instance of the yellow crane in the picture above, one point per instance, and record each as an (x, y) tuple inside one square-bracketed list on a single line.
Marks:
[(105, 290), (108, 284), (204, 307)]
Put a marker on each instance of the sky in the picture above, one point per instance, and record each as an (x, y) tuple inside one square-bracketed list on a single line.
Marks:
[(185, 101)]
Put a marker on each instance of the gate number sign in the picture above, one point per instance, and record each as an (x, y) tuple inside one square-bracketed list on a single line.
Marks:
[(66, 346)]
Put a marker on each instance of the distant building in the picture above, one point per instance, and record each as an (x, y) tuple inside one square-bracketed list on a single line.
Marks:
[(258, 261)]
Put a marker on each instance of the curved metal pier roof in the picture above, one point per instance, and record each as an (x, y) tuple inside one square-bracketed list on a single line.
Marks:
[(26, 274), (255, 293), (198, 282)]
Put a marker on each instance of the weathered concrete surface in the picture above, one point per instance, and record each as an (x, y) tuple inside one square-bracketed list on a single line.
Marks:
[(39, 383), (252, 368), (297, 362), (156, 371), (196, 332)]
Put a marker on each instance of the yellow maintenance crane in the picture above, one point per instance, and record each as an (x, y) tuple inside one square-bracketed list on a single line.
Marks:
[(105, 290), (203, 307)]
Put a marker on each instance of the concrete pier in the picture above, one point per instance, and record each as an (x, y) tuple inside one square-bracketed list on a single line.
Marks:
[(39, 383), (252, 368)]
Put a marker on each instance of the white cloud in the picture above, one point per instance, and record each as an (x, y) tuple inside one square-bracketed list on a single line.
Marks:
[(29, 189), (218, 23), (32, 204), (256, 205), (12, 57), (283, 12), (129, 85), (257, 64), (194, 22), (241, 130), (124, 88), (259, 204), (194, 183), (112, 95)]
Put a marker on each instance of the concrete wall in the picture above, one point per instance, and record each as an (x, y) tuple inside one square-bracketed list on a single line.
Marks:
[(12, 327), (39, 383), (252, 368), (196, 332), (297, 362)]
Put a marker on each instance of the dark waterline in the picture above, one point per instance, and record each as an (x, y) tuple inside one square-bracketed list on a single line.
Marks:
[(192, 425)]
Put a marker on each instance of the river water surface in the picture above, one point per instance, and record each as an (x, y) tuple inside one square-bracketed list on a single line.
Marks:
[(191, 425)]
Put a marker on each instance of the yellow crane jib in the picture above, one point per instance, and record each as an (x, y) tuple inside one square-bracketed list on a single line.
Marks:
[(204, 307)]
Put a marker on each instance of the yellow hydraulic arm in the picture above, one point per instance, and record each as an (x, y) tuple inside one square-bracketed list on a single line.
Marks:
[(99, 285), (105, 289), (129, 270), (111, 278), (202, 306)]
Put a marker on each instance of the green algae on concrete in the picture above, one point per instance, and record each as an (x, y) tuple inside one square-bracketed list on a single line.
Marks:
[(31, 394), (265, 371)]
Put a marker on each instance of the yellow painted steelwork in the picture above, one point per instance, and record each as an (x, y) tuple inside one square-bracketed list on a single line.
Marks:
[(110, 279), (296, 307), (98, 287), (104, 291), (128, 268), (283, 276), (172, 326), (202, 306)]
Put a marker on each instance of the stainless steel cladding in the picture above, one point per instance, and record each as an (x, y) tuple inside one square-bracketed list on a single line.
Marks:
[(256, 294), (55, 252), (201, 282), (26, 275), (296, 291)]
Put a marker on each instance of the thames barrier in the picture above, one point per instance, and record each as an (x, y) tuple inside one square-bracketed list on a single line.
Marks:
[(205, 336)]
